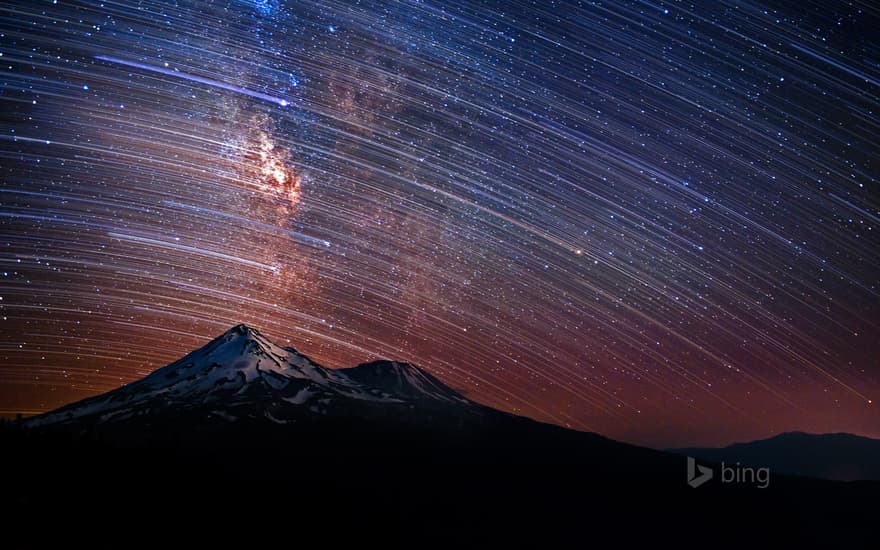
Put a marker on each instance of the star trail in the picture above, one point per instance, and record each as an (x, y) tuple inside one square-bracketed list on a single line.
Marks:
[(653, 220)]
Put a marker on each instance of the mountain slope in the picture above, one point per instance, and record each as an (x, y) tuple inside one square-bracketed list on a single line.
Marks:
[(842, 457)]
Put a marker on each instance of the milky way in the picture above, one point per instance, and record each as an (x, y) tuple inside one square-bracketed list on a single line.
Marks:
[(654, 220)]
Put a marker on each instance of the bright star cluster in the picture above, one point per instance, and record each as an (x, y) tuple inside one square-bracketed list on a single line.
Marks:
[(654, 220)]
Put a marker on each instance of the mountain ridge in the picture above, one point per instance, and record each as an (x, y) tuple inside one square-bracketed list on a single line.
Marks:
[(242, 366), (836, 456)]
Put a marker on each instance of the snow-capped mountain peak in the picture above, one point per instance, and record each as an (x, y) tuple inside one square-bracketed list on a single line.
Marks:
[(242, 370), (241, 351), (402, 379)]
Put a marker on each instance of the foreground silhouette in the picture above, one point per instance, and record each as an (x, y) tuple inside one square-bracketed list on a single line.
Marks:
[(245, 442)]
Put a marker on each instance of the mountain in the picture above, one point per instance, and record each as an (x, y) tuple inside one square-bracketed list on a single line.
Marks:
[(246, 443), (840, 456), (241, 374)]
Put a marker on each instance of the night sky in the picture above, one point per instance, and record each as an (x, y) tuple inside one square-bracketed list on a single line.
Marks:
[(654, 220)]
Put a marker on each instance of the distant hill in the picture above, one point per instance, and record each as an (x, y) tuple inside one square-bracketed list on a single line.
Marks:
[(840, 456)]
